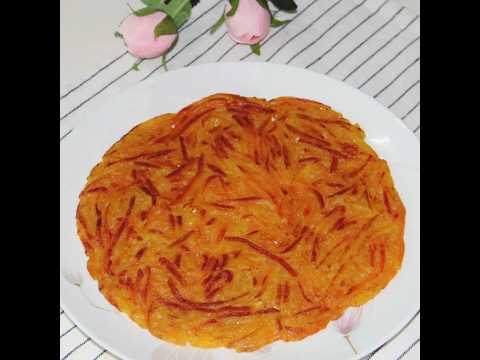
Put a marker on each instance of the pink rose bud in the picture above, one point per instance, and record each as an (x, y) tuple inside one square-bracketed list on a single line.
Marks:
[(349, 320), (250, 23), (138, 34)]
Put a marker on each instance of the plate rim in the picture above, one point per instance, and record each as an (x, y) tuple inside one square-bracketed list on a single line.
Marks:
[(147, 82)]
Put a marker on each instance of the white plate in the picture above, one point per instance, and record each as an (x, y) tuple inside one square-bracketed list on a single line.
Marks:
[(383, 317)]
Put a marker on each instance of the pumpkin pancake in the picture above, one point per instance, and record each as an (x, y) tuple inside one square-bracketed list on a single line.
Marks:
[(239, 221)]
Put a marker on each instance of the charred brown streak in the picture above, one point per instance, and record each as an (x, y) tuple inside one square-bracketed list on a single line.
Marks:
[(322, 146), (267, 163), (319, 197), (256, 157), (209, 179), (313, 257), (150, 189), (148, 165), (143, 155), (315, 131), (182, 239), (305, 136), (172, 269), (140, 253), (182, 123), (334, 164), (97, 189), (98, 225), (179, 170), (221, 234), (286, 157), (302, 291), (279, 294), (144, 292), (274, 145), (200, 167), (224, 141), (357, 171), (171, 219), (342, 123), (313, 159), (178, 260), (224, 261), (279, 324), (205, 261), (341, 224), (249, 107), (242, 199), (211, 221), (336, 185), (331, 251), (386, 201), (372, 248), (340, 192), (382, 257), (216, 264), (222, 206), (350, 148), (286, 292), (146, 185), (264, 287), (206, 306), (265, 252), (216, 169), (219, 149), (340, 208), (296, 241), (184, 149), (211, 281), (243, 121), (124, 221), (263, 126)]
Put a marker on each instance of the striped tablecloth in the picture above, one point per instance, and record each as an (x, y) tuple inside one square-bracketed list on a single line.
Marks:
[(373, 45)]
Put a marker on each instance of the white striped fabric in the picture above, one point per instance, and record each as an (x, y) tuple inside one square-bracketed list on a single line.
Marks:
[(373, 45)]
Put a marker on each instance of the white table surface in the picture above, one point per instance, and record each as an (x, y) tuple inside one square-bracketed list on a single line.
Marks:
[(94, 64)]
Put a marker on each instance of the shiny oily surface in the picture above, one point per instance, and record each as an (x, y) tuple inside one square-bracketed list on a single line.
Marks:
[(239, 221)]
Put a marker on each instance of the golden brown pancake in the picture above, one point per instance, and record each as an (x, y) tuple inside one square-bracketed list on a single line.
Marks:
[(239, 221)]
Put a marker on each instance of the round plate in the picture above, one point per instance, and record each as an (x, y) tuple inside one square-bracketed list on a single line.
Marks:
[(382, 317)]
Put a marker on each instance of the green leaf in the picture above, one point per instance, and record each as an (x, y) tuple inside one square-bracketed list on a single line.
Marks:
[(233, 10), (264, 4), (145, 11), (165, 27), (277, 23), (217, 24), (285, 5), (117, 34), (164, 62), (135, 67), (255, 48), (151, 3), (178, 10), (183, 13)]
